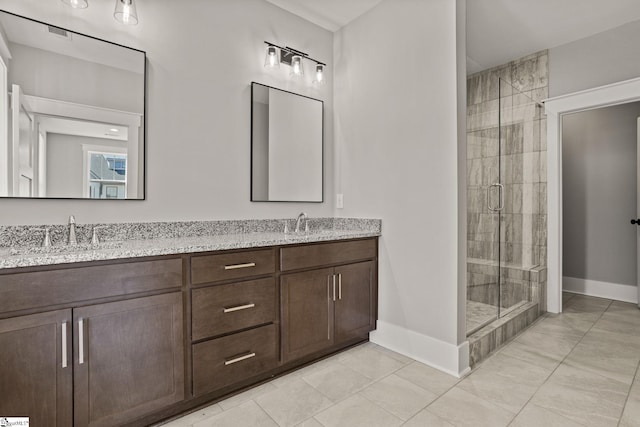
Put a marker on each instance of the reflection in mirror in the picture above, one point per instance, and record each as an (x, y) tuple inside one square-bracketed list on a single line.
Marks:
[(71, 114), (286, 146)]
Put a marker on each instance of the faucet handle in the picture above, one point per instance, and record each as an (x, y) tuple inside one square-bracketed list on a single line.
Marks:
[(46, 241), (94, 234)]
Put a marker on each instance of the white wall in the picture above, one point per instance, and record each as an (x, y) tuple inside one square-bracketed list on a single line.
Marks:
[(202, 56), (599, 194), (604, 58), (51, 75), (65, 162), (397, 159)]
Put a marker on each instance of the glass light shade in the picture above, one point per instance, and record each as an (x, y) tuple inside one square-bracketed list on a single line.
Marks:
[(297, 70), (76, 4), (272, 58), (319, 78), (126, 12)]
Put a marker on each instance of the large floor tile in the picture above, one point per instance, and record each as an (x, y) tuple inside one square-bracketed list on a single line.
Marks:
[(535, 416), (337, 381), (566, 324), (619, 324), (425, 418), (402, 398), (463, 409), (427, 377), (192, 418), (250, 394), (505, 381), (609, 354), (631, 413), (357, 411), (291, 404), (587, 304), (582, 396), (248, 414), (371, 363), (531, 355)]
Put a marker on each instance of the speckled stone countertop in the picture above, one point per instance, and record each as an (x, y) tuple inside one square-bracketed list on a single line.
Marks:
[(152, 239)]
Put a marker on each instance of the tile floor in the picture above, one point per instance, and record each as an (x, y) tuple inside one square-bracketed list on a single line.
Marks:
[(576, 369)]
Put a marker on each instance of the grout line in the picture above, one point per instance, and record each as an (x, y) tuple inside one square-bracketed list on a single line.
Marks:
[(560, 364)]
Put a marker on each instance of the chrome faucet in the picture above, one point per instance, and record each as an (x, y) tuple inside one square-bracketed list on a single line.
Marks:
[(72, 231), (302, 215)]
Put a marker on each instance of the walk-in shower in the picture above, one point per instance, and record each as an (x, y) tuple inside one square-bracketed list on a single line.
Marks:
[(506, 201)]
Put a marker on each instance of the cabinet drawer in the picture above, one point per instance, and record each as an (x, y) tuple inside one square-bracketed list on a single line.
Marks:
[(316, 255), (218, 310), (21, 291), (228, 360), (212, 268)]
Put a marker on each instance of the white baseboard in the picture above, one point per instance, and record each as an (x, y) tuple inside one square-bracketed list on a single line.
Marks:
[(449, 358), (594, 288)]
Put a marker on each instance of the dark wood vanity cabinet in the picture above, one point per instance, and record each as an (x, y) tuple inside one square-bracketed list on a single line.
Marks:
[(35, 379), (234, 317), (92, 364), (325, 307), (129, 359), (135, 341)]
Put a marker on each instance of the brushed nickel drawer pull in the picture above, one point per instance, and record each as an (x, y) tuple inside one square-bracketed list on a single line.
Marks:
[(64, 344), (334, 287), (238, 308), (237, 266), (340, 286), (80, 342), (239, 359)]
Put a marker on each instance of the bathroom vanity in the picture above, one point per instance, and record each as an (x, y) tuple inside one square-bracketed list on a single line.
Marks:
[(138, 339)]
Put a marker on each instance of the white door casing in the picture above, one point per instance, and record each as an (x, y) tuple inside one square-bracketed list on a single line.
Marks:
[(555, 108)]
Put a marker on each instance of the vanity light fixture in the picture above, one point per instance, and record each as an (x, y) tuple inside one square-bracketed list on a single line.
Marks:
[(126, 12), (76, 4), (286, 55)]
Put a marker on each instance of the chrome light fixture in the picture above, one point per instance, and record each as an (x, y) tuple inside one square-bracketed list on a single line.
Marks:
[(126, 12), (76, 4), (276, 55), (272, 58)]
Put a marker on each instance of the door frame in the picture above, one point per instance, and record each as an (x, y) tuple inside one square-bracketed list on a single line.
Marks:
[(603, 96)]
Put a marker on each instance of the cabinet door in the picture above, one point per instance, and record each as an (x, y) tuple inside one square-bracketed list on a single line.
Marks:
[(355, 303), (307, 312), (35, 368), (129, 359)]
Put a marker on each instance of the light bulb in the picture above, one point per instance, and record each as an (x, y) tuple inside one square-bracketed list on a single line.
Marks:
[(271, 59), (126, 12), (319, 80), (76, 4), (297, 69)]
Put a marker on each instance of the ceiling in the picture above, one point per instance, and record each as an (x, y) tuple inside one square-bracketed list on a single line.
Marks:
[(329, 14), (498, 31)]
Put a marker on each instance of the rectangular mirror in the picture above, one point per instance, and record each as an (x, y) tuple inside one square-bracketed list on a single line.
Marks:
[(71, 114), (286, 146)]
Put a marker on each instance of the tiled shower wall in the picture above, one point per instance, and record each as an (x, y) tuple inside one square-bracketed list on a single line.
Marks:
[(523, 172)]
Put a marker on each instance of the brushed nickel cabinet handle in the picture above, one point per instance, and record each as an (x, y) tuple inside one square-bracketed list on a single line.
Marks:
[(237, 266), (238, 308), (64, 344), (334, 287), (239, 359), (340, 286), (80, 342), (328, 307)]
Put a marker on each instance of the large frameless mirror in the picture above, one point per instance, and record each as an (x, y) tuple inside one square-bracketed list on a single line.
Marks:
[(71, 114), (286, 146)]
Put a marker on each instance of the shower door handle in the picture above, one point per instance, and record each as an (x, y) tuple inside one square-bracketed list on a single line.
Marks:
[(500, 197), (635, 221)]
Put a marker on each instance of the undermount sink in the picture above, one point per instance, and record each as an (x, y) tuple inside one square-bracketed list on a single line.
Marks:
[(80, 247)]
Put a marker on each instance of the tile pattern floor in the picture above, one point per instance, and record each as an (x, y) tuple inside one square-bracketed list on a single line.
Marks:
[(576, 369), (479, 314)]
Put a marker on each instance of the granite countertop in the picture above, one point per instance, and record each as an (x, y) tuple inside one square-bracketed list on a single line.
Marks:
[(29, 256)]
